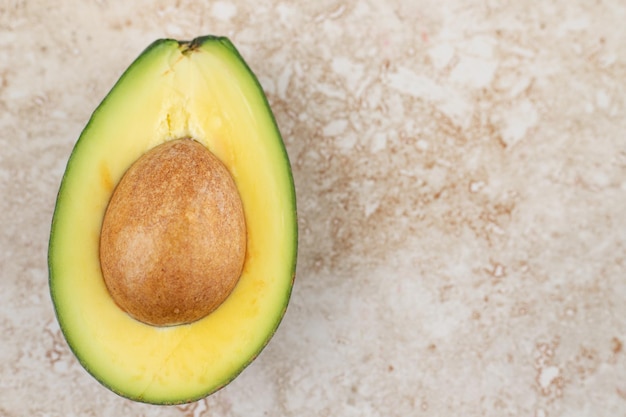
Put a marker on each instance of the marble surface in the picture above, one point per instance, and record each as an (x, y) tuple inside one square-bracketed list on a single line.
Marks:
[(461, 177)]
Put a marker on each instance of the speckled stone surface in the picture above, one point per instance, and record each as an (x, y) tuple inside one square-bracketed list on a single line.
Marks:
[(461, 177)]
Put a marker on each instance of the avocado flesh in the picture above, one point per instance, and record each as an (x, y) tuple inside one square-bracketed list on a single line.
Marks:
[(203, 90)]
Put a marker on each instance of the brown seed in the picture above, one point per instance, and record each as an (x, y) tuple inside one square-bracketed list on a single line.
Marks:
[(173, 239)]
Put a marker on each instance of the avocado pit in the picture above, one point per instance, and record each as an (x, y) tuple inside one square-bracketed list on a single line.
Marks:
[(173, 238)]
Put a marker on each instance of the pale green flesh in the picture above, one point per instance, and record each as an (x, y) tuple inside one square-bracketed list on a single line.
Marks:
[(209, 94)]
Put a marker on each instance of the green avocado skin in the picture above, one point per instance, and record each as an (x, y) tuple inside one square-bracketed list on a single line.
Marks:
[(55, 271)]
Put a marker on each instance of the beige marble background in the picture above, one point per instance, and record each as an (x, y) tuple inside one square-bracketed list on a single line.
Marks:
[(461, 174)]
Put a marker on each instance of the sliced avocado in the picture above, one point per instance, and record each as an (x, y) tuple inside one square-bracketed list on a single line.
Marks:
[(202, 90)]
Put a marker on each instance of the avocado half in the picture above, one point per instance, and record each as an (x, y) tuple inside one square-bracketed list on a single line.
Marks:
[(203, 90)]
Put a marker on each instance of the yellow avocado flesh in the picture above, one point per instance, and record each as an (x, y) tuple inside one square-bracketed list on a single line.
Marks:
[(205, 91)]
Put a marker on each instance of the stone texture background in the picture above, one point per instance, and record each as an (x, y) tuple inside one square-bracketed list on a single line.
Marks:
[(461, 175)]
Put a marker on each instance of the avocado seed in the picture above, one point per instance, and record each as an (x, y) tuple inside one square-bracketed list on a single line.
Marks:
[(173, 238)]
